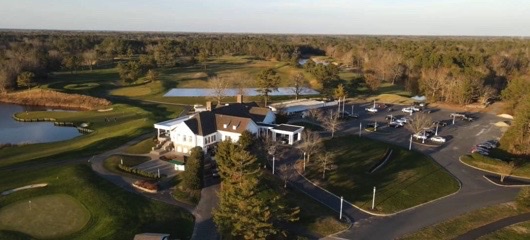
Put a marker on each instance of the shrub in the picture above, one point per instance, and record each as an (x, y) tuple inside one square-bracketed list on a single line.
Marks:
[(138, 171)]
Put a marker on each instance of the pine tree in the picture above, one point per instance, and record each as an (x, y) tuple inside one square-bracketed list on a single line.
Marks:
[(192, 177), (268, 81)]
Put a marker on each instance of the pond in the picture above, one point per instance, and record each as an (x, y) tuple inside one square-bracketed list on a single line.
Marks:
[(15, 132)]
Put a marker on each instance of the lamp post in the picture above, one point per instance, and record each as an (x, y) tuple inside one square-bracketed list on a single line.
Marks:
[(273, 164), (341, 202), (352, 109), (436, 133), (453, 119), (304, 160), (373, 200), (410, 142), (360, 128), (423, 138)]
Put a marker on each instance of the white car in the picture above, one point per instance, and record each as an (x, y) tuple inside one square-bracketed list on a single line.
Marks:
[(372, 109), (407, 110), (415, 109), (420, 136), (395, 124), (438, 139), (402, 120)]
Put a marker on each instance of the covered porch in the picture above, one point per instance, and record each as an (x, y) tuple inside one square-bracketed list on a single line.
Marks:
[(288, 133)]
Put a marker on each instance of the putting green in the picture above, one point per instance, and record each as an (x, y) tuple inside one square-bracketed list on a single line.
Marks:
[(49, 216), (81, 86)]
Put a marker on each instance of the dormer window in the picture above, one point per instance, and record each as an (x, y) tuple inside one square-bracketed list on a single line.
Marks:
[(225, 125), (234, 127)]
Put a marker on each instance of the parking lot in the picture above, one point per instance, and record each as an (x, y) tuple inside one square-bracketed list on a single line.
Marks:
[(462, 135)]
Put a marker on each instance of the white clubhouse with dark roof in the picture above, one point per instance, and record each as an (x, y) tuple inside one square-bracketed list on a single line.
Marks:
[(204, 129)]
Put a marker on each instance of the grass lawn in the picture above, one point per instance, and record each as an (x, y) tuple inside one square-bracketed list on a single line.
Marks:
[(519, 231), (141, 147), (491, 164), (47, 216), (315, 218), (115, 214), (408, 179), (466, 222), (113, 161)]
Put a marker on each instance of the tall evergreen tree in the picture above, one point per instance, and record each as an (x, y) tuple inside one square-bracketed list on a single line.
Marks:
[(192, 178), (268, 81)]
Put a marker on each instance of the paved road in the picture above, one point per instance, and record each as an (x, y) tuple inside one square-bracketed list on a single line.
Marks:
[(494, 226), (475, 191)]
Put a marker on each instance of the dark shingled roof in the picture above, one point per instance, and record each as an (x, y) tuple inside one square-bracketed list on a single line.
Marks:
[(244, 110), (286, 127), (240, 123), (202, 123)]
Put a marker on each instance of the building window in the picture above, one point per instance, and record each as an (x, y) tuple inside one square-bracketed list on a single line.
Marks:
[(189, 138), (183, 138)]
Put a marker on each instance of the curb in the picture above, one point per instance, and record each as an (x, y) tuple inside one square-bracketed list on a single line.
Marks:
[(500, 185), (488, 171)]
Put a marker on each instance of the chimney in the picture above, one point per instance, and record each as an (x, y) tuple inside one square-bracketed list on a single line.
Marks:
[(239, 98), (209, 106)]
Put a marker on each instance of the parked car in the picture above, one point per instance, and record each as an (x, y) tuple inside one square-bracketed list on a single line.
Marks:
[(426, 111), (371, 109), (420, 135), (467, 118), (390, 117), (395, 124), (457, 115), (407, 110), (493, 143), (415, 109), (484, 145), (438, 139), (440, 123), (485, 153), (402, 120)]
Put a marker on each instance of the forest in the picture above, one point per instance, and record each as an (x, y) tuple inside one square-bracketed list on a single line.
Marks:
[(456, 70)]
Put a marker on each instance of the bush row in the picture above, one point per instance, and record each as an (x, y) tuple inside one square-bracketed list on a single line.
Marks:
[(138, 172)]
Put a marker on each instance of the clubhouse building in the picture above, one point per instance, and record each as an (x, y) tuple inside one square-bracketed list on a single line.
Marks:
[(224, 122)]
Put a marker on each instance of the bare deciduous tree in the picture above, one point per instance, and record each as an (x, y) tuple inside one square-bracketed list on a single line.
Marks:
[(330, 121), (239, 81), (371, 80), (418, 122), (324, 160), (218, 86), (486, 93), (300, 84), (90, 58), (432, 82), (311, 143), (286, 174)]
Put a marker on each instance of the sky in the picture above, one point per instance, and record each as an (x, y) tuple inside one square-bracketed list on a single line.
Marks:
[(370, 17)]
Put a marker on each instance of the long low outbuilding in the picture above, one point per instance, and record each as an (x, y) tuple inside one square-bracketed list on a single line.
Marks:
[(300, 105)]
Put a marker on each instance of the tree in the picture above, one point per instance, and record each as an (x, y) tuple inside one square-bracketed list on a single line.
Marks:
[(238, 81), (25, 79), (311, 144), (515, 91), (268, 81), (372, 81), (246, 140), (152, 75), (285, 174), (324, 159), (517, 138), (90, 57), (299, 84), (330, 121), (419, 122), (505, 169), (203, 58), (340, 94), (192, 177), (130, 71), (218, 87), (71, 63), (486, 93)]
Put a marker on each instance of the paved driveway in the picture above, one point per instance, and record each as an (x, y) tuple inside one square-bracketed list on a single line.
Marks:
[(475, 192)]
